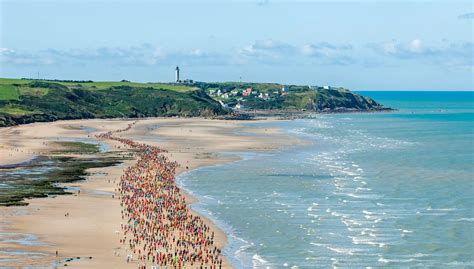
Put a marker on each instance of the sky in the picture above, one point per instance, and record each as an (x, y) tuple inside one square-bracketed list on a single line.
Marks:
[(361, 45)]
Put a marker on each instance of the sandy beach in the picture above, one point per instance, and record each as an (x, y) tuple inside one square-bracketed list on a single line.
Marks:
[(89, 232)]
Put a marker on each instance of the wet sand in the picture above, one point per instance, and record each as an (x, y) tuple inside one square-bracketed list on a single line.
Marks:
[(90, 230)]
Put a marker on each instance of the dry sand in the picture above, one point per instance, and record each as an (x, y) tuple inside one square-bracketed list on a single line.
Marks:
[(94, 218)]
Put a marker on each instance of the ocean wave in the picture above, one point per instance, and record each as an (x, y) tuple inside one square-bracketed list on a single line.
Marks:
[(441, 209), (363, 189), (259, 262), (346, 251), (463, 219), (430, 214), (366, 241), (385, 260), (459, 263), (318, 244), (364, 196)]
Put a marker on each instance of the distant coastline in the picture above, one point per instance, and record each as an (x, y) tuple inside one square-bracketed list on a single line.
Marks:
[(27, 101)]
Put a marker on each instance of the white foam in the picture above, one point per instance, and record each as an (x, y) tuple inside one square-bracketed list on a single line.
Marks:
[(463, 219), (349, 173), (258, 261), (363, 189), (336, 214), (346, 251), (366, 241), (317, 244), (384, 260), (363, 196), (441, 209)]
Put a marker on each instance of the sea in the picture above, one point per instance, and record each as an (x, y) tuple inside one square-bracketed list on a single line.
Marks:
[(368, 190)]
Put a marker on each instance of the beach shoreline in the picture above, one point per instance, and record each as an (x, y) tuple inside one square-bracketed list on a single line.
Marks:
[(191, 142)]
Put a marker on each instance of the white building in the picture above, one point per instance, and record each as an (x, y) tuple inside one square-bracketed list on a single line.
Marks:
[(264, 96)]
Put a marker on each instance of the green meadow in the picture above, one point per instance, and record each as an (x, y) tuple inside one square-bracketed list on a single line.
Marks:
[(24, 101), (8, 92), (9, 87)]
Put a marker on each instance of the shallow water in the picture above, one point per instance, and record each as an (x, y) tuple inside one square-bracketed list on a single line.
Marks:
[(379, 189)]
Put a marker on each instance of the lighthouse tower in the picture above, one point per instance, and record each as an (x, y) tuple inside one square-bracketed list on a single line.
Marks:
[(177, 74)]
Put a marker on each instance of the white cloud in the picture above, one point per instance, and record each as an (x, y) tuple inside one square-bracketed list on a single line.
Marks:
[(271, 52), (466, 16), (265, 51), (459, 54), (23, 58), (401, 50), (142, 55), (328, 53), (275, 52), (263, 2)]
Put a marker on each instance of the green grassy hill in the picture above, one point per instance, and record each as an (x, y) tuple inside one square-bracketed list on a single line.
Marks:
[(290, 97), (25, 101)]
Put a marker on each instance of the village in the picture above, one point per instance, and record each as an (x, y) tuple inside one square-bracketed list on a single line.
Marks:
[(241, 95)]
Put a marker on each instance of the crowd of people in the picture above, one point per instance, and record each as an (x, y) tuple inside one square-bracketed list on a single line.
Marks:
[(158, 227)]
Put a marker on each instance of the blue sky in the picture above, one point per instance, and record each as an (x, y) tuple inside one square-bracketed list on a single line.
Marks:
[(388, 45)]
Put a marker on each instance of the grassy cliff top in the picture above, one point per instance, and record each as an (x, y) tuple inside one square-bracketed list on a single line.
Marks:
[(12, 89), (25, 101)]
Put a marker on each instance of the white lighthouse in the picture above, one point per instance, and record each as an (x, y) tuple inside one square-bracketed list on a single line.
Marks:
[(177, 74)]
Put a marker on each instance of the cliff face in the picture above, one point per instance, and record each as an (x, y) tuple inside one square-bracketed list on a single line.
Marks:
[(272, 96), (333, 100)]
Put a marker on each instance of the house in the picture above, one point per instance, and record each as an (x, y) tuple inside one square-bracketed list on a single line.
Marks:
[(225, 96), (264, 96), (326, 87), (238, 106), (247, 92), (234, 92)]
